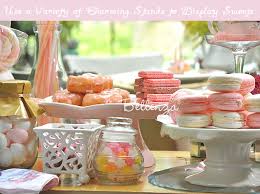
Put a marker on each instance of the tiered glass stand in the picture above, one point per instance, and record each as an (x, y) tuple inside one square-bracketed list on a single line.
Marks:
[(239, 44)]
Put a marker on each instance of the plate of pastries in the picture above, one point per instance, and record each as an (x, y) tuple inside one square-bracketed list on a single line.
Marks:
[(90, 89)]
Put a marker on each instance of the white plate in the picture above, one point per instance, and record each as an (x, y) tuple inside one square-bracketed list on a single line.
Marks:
[(194, 76), (100, 111)]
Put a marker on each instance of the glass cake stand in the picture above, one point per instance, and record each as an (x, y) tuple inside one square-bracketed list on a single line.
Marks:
[(239, 44), (228, 162)]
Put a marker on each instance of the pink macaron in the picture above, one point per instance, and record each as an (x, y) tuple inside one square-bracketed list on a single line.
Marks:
[(226, 101), (236, 82), (192, 103), (253, 120), (248, 83)]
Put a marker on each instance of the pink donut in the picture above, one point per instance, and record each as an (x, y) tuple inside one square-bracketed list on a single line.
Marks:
[(10, 48), (226, 101)]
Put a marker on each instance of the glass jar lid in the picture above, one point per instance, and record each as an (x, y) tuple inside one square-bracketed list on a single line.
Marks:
[(119, 125)]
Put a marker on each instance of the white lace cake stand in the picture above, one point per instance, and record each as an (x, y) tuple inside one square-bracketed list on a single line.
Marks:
[(227, 161)]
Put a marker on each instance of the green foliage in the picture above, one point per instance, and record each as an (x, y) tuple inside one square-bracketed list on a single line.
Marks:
[(67, 27), (199, 28)]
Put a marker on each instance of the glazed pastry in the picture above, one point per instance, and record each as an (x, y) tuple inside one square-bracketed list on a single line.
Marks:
[(80, 84), (92, 99), (64, 96), (124, 93), (193, 120), (226, 101), (89, 83), (230, 120)]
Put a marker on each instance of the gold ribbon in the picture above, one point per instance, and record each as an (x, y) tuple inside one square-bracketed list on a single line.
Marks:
[(15, 100)]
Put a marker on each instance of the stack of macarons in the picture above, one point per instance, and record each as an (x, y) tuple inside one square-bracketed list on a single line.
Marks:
[(155, 87), (227, 103), (190, 109)]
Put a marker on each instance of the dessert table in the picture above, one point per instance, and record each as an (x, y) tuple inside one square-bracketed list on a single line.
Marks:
[(164, 160)]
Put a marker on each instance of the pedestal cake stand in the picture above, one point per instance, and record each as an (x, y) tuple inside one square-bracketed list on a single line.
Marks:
[(134, 111), (227, 151)]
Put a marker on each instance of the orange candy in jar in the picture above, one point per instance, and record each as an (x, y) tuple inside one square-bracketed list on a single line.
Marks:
[(18, 142), (118, 160)]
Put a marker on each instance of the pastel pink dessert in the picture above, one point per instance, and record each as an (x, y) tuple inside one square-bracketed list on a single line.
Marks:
[(248, 83), (226, 101), (253, 120), (156, 90), (181, 92), (224, 36), (236, 82), (141, 95), (160, 90), (162, 82), (192, 104), (155, 75), (158, 97), (139, 81)]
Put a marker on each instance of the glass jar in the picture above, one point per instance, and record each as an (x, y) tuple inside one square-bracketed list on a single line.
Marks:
[(118, 160), (48, 73), (18, 141)]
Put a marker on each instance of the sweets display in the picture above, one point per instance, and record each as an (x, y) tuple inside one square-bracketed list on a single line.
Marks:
[(90, 89), (155, 87), (230, 105), (118, 160)]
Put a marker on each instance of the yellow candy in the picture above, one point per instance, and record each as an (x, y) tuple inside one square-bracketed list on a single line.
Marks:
[(101, 160), (122, 153), (110, 167), (127, 170), (138, 160)]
